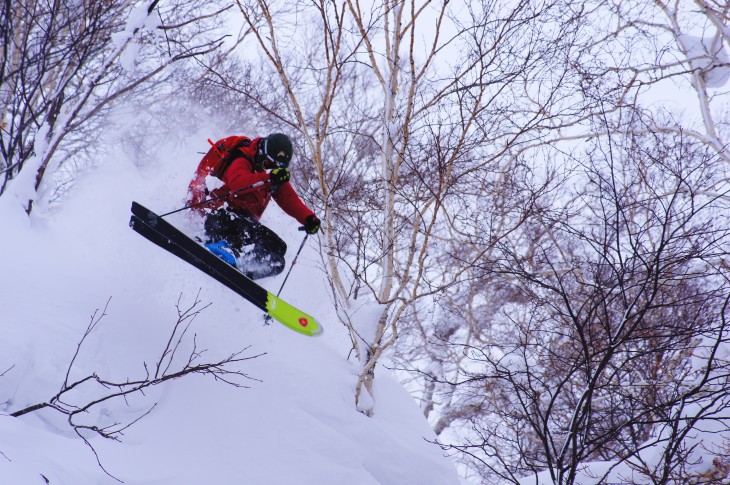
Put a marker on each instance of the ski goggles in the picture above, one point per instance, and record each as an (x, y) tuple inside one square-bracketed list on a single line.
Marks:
[(280, 160)]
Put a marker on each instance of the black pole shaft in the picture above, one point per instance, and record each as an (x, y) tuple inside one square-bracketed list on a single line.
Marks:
[(294, 261)]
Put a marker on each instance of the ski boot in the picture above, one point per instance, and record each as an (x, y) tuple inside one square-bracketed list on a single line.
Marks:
[(224, 251)]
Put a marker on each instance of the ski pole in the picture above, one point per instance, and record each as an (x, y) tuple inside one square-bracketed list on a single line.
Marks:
[(268, 318), (294, 261), (241, 190)]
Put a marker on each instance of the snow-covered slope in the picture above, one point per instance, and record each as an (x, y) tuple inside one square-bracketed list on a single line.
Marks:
[(296, 421)]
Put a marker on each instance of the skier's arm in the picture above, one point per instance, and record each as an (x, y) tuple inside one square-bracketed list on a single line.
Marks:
[(289, 201), (240, 175)]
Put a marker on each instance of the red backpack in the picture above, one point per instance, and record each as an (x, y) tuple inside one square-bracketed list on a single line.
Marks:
[(215, 163)]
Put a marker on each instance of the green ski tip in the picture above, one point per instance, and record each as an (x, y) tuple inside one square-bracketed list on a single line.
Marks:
[(292, 317)]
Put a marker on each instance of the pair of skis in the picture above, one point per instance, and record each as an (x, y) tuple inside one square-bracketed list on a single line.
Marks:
[(162, 233)]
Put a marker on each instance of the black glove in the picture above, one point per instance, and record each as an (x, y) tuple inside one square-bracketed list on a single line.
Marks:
[(279, 176), (311, 224)]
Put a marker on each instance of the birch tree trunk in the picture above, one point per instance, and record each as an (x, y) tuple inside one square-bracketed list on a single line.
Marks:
[(406, 114), (65, 64)]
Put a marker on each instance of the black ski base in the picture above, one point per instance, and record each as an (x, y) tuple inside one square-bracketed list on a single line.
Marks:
[(162, 233)]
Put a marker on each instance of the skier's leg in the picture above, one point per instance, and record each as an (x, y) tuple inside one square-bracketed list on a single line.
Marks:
[(223, 236), (222, 225), (263, 248)]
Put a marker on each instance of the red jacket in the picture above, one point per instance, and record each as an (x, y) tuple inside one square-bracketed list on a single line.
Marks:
[(240, 174)]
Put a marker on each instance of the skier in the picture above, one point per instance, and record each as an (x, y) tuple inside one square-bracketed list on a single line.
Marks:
[(232, 226)]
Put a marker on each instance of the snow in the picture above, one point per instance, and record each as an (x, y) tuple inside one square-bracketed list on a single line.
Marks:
[(710, 56), (23, 187), (124, 42), (295, 422), (365, 318)]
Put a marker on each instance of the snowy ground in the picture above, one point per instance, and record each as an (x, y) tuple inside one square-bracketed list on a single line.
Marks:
[(296, 423)]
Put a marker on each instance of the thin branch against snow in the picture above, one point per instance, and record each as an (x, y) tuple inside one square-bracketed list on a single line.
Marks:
[(7, 370), (95, 319), (93, 390)]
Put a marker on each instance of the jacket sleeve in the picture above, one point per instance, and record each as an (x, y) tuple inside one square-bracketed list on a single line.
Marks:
[(240, 175), (289, 201)]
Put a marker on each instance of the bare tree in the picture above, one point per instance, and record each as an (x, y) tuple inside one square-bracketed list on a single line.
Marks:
[(621, 52), (613, 341), (79, 396), (408, 114), (65, 63)]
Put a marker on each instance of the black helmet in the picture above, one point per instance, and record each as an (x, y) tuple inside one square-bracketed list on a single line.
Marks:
[(275, 149)]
